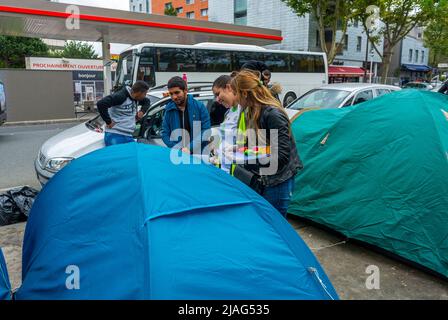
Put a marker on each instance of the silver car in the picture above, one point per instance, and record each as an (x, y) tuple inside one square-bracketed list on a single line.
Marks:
[(340, 95), (424, 86), (84, 138)]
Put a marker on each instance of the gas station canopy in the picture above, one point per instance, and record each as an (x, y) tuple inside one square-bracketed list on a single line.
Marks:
[(45, 19), (50, 20)]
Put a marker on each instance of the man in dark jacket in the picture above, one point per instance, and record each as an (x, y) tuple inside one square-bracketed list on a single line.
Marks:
[(187, 114), (119, 111)]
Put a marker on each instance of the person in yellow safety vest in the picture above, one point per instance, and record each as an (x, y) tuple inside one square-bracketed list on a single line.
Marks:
[(233, 121), (265, 117)]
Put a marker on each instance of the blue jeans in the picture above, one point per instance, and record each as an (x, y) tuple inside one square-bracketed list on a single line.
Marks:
[(111, 139), (280, 195)]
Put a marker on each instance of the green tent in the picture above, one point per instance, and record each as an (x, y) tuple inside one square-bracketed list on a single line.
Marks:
[(378, 172)]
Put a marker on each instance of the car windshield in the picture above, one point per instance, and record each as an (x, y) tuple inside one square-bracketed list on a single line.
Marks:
[(320, 98)]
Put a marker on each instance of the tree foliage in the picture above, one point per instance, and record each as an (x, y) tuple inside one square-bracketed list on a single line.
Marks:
[(76, 50), (331, 16), (13, 50), (436, 36), (170, 11), (397, 19)]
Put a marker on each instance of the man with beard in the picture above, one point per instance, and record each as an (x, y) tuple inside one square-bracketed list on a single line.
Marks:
[(188, 115)]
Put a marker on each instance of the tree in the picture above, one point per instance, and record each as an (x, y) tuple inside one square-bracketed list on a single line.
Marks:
[(331, 16), (13, 50), (436, 36), (170, 11), (76, 50), (398, 18)]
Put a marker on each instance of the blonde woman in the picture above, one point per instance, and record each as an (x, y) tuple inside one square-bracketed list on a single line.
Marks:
[(267, 123)]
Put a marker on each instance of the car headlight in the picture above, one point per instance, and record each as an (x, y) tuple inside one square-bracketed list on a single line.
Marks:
[(56, 164)]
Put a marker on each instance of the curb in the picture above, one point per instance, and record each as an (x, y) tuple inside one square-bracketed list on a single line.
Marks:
[(10, 188), (40, 122)]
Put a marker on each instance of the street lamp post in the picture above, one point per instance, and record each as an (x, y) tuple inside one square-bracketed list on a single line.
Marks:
[(367, 59)]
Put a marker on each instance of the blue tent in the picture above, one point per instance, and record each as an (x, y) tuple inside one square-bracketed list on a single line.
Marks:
[(125, 222), (5, 286)]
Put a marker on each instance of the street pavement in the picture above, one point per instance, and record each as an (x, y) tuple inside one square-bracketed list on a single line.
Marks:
[(346, 263), (19, 147)]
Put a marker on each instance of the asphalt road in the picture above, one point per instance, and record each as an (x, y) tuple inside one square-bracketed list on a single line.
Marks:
[(19, 147)]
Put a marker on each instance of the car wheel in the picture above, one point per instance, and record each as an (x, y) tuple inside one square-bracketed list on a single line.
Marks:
[(289, 98)]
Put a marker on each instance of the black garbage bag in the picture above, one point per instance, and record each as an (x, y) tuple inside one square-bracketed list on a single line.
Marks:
[(16, 204), (9, 213), (24, 199)]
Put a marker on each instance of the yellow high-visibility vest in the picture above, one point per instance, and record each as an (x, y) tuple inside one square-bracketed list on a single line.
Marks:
[(241, 137)]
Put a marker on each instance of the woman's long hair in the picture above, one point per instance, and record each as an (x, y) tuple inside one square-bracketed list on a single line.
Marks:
[(248, 87)]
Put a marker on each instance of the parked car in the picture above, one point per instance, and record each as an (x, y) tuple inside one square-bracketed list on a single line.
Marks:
[(424, 86), (2, 104), (340, 95), (84, 138)]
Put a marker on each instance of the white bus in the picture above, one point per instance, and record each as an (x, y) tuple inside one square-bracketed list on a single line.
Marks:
[(297, 72)]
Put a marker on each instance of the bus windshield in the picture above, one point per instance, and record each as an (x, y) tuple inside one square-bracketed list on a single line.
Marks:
[(125, 69)]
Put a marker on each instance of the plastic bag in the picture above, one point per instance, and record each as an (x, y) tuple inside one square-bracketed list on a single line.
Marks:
[(16, 204), (24, 198)]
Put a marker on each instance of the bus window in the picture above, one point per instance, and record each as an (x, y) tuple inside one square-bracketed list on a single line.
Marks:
[(175, 60), (305, 63), (277, 62), (241, 57), (146, 70), (319, 64), (213, 61)]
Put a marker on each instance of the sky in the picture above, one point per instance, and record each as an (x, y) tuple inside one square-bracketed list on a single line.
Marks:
[(111, 4)]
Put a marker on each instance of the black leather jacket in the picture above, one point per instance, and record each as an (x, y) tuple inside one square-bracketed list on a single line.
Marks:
[(288, 160)]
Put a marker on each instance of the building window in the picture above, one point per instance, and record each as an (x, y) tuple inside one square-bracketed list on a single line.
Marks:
[(140, 6), (190, 1), (356, 24), (133, 8), (346, 42), (359, 44), (240, 12), (168, 5), (410, 55), (190, 15), (180, 10), (204, 12), (423, 56), (416, 56)]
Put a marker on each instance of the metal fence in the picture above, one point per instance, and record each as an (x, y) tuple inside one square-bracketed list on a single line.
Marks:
[(394, 81)]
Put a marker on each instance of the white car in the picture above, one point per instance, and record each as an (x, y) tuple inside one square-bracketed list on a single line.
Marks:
[(86, 137), (340, 95)]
